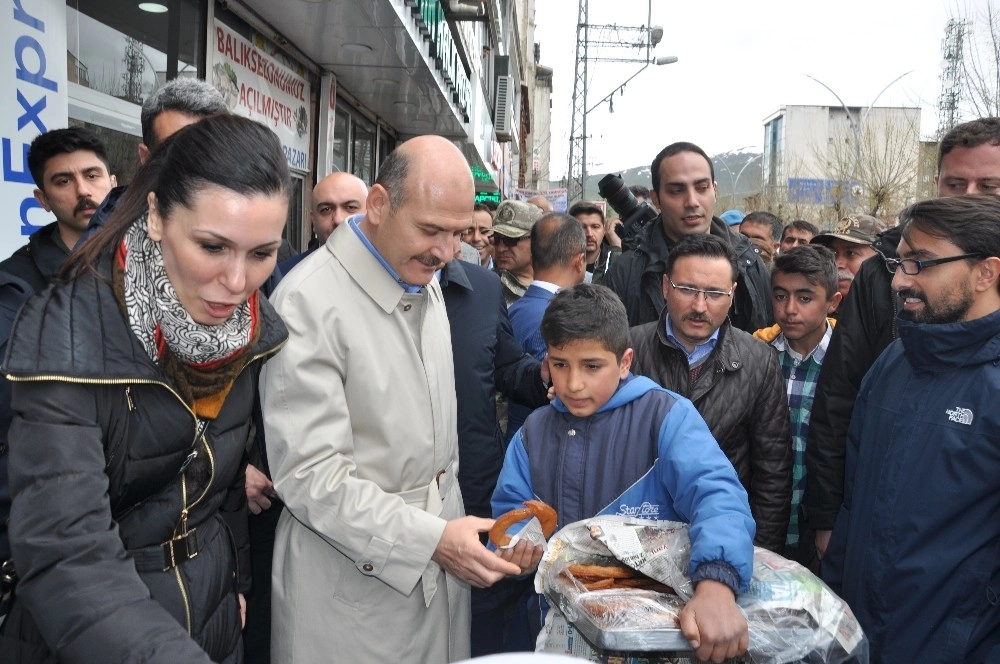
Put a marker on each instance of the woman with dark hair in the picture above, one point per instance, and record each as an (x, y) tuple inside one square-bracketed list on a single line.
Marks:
[(133, 382)]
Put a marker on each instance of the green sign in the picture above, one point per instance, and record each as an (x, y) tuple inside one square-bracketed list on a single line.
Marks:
[(445, 53), (488, 197)]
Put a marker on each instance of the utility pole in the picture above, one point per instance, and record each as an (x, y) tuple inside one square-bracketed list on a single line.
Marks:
[(612, 43), (578, 127)]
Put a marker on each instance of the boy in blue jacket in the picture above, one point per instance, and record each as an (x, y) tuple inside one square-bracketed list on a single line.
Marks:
[(614, 443)]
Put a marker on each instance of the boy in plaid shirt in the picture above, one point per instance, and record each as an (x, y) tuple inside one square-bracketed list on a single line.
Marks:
[(803, 292)]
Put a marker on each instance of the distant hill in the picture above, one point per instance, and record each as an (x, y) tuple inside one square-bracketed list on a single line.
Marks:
[(728, 166)]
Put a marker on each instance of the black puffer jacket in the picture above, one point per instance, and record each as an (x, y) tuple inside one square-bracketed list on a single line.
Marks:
[(98, 442), (40, 260), (637, 278), (866, 325), (741, 394)]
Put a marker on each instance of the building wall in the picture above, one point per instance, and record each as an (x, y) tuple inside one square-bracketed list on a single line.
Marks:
[(541, 147), (817, 167)]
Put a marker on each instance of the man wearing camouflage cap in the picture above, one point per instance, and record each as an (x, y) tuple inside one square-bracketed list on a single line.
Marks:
[(851, 242), (512, 225)]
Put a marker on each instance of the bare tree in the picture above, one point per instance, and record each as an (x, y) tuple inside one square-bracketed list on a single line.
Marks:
[(980, 65), (878, 176), (890, 148)]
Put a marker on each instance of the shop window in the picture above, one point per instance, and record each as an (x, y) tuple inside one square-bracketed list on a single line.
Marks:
[(386, 144), (364, 149), (296, 216), (341, 137), (117, 55), (122, 51)]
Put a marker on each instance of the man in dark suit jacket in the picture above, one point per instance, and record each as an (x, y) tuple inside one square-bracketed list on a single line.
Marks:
[(488, 359), (558, 260)]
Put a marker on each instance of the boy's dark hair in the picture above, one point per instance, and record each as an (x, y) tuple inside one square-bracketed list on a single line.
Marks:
[(813, 261), (61, 141), (587, 312), (765, 219), (482, 207), (670, 151), (585, 207), (556, 239), (800, 225), (704, 246), (970, 134)]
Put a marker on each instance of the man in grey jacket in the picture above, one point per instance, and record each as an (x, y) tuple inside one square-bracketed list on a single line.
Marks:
[(734, 380)]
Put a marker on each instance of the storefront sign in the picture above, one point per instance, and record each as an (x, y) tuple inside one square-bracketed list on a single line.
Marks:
[(256, 86), (446, 55), (488, 197), (33, 73)]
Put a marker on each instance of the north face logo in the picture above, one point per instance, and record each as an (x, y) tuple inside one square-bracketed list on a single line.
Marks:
[(960, 415)]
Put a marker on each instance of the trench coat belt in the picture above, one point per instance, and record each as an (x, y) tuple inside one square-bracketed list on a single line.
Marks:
[(430, 499)]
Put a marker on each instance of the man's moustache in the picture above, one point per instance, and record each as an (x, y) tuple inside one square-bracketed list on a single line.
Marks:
[(431, 261), (85, 204)]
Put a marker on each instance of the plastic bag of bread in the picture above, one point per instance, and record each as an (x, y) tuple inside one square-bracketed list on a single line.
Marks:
[(620, 583)]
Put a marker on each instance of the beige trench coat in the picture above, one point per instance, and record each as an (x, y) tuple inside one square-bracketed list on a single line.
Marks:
[(359, 417)]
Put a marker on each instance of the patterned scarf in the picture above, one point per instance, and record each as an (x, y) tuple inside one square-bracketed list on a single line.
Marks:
[(160, 321)]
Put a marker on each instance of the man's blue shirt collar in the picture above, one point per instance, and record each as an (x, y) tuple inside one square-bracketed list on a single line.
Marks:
[(409, 288), (700, 352)]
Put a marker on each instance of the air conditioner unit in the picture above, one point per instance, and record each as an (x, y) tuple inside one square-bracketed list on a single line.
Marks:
[(503, 109)]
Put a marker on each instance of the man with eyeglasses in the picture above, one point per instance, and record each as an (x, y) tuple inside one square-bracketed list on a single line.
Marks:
[(734, 380), (512, 225), (914, 550), (968, 162)]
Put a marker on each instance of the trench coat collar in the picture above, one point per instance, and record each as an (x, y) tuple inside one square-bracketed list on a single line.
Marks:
[(365, 268)]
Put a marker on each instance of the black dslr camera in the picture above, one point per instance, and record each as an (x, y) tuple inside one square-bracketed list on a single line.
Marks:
[(633, 216)]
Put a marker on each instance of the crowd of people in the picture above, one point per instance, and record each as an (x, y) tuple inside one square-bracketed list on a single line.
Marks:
[(211, 455)]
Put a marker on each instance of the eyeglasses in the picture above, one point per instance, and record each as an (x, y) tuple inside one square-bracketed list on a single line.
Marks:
[(912, 266), (507, 241), (691, 294)]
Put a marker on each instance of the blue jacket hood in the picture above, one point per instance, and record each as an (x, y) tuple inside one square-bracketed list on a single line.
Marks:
[(936, 348), (629, 389)]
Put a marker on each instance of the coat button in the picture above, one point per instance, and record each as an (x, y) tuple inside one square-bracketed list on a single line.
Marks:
[(407, 307), (368, 567)]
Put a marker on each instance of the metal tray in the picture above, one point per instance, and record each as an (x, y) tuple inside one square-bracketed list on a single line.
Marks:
[(667, 640)]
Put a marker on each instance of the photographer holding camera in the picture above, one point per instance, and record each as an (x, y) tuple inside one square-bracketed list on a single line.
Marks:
[(684, 189)]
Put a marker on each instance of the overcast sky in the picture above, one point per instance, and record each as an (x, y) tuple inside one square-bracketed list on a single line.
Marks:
[(739, 62)]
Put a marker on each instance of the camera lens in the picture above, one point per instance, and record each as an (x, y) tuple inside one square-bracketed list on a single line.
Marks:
[(612, 189)]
